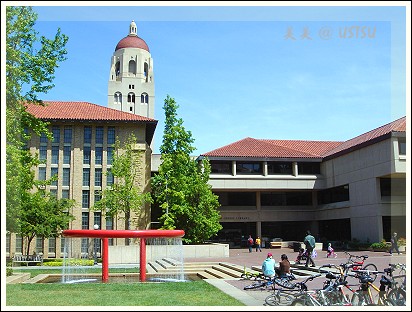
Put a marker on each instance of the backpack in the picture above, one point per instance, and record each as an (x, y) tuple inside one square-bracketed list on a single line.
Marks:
[(250, 241)]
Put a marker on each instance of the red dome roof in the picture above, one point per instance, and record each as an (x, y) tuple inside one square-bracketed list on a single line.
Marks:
[(132, 42)]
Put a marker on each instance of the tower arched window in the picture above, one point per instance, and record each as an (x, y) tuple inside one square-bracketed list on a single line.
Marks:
[(117, 68), (144, 98), (131, 98), (146, 71), (132, 67), (117, 98)]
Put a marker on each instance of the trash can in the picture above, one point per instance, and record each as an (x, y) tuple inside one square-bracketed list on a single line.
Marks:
[(296, 246)]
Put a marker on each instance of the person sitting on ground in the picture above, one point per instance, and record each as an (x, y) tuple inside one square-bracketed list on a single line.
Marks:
[(268, 266), (284, 266)]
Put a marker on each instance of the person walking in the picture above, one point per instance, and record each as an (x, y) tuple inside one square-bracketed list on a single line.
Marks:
[(394, 243), (268, 266), (250, 243), (309, 242), (258, 244), (331, 252)]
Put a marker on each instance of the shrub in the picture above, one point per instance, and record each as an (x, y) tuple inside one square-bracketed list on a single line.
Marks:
[(71, 262), (381, 245), (402, 241), (9, 271)]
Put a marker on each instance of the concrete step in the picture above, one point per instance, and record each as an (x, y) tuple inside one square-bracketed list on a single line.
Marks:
[(206, 275), (218, 274), (227, 270)]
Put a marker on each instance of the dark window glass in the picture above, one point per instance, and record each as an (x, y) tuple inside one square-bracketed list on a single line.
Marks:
[(66, 154), (280, 168), (88, 135), (249, 168), (111, 135), (85, 199), (86, 176), (308, 168), (334, 195), (221, 167), (98, 155), (237, 198), (86, 155), (56, 134), (392, 187), (99, 135), (402, 146), (68, 134)]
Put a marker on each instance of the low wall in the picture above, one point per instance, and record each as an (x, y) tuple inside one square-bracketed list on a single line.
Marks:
[(131, 254)]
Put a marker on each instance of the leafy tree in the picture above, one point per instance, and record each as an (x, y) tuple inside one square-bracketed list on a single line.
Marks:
[(181, 185), (126, 194), (30, 66)]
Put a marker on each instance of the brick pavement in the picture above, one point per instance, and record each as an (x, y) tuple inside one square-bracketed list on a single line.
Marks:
[(244, 258)]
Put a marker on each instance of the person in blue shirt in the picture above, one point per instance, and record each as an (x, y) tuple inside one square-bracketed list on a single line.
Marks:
[(268, 266)]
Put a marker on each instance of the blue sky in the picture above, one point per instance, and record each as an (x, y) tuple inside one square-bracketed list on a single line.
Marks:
[(236, 72)]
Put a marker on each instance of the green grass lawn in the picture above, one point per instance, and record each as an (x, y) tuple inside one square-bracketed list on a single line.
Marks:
[(195, 293)]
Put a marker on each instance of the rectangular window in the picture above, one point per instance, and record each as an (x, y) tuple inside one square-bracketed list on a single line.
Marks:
[(62, 245), (99, 135), (110, 178), (42, 173), (334, 195), (85, 246), (55, 155), (97, 196), (98, 155), (19, 244), (402, 146), (65, 194), (308, 168), (39, 245), (392, 187), (43, 153), (52, 244), (66, 177), (98, 177), (86, 155), (237, 198), (87, 135), (86, 176), (53, 192), (43, 138), (85, 220), (279, 168), (249, 168), (111, 136), (224, 167), (85, 199), (109, 155), (67, 154), (109, 226), (98, 219), (56, 134), (54, 171), (68, 135)]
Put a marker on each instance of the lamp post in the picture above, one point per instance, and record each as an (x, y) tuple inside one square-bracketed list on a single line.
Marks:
[(96, 227)]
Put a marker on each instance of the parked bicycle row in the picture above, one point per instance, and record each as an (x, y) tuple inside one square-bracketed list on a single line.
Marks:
[(349, 283)]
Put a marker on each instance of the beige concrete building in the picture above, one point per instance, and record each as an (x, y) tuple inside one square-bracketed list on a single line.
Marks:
[(341, 191)]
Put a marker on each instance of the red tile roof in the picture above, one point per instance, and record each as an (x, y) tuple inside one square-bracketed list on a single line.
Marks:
[(262, 148), (132, 42), (59, 110)]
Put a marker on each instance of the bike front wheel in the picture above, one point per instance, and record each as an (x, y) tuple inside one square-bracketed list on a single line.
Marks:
[(279, 299), (398, 296), (254, 286)]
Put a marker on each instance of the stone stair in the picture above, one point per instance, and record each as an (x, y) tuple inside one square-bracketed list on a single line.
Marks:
[(217, 270)]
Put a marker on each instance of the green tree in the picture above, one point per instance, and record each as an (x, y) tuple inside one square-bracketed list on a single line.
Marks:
[(127, 194), (181, 185), (30, 66)]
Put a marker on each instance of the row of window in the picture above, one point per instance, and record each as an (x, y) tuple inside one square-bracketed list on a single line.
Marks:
[(131, 98), (286, 168)]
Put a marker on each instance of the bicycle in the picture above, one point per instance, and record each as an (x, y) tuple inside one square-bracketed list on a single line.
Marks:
[(334, 285), (359, 264), (288, 292), (264, 283), (251, 275), (398, 290), (363, 296)]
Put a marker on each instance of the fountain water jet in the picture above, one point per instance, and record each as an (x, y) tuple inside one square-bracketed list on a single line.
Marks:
[(104, 235)]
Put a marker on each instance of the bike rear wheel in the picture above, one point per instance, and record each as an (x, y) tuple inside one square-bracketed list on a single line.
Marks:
[(255, 285), (371, 267)]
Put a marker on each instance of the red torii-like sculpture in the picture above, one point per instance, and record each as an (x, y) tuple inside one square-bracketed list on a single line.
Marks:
[(104, 235)]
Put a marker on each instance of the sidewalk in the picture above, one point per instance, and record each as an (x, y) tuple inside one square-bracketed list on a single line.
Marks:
[(256, 297)]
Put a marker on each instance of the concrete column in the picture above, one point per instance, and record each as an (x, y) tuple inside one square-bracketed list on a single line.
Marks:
[(295, 168), (233, 167)]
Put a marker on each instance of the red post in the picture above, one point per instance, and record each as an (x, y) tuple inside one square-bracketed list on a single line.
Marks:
[(142, 259), (105, 259)]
